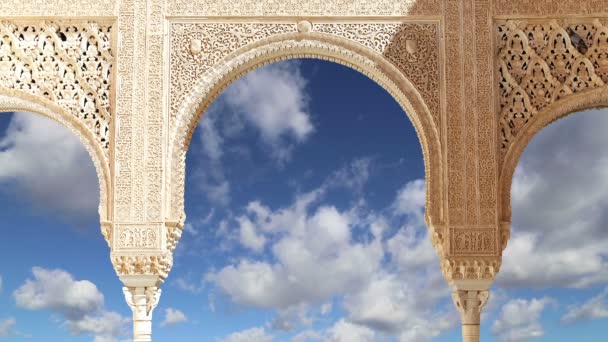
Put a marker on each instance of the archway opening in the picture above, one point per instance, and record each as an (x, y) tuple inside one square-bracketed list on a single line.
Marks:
[(305, 204), (555, 266), (56, 280)]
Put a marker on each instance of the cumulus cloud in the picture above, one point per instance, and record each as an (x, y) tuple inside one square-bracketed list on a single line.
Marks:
[(46, 163), (6, 326), (344, 331), (519, 319), (272, 101), (377, 280), (79, 302), (57, 290), (594, 308), (249, 335), (172, 317), (559, 207)]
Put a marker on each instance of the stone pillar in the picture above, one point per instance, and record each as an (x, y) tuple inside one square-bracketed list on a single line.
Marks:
[(142, 301), (469, 303)]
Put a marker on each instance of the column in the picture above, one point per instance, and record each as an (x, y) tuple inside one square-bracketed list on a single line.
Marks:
[(469, 303), (142, 301)]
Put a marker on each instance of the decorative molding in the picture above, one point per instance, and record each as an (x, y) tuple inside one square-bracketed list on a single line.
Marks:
[(58, 8), (329, 8), (158, 264), (543, 8), (67, 62), (470, 268)]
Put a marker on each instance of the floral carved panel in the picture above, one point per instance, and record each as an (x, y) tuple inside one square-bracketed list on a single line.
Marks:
[(68, 63), (542, 62)]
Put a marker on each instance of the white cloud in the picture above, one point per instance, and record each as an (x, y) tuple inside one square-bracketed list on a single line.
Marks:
[(560, 208), (6, 326), (249, 335), (321, 239), (172, 317), (377, 280), (78, 301), (344, 331), (57, 290), (594, 308), (46, 163), (273, 99), (411, 200), (520, 319), (249, 237), (307, 336), (106, 326)]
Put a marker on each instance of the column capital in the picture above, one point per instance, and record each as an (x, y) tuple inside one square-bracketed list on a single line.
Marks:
[(142, 301), (470, 303)]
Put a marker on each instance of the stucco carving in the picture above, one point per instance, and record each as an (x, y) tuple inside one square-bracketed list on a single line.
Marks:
[(470, 268), (158, 264), (476, 241), (129, 237), (69, 63), (544, 62), (251, 8), (58, 8)]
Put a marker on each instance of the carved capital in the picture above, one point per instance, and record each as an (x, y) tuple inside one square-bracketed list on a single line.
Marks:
[(142, 301), (470, 303)]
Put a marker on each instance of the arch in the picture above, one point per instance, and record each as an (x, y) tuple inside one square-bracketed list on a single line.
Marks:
[(305, 45), (16, 100), (595, 98)]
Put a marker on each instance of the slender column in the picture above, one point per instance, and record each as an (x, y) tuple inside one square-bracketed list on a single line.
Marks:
[(470, 303), (142, 301)]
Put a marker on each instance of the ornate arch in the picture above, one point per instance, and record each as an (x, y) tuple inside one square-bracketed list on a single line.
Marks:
[(17, 100), (595, 98), (547, 69), (306, 44)]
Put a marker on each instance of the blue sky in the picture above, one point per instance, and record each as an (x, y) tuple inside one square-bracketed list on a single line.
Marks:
[(304, 201)]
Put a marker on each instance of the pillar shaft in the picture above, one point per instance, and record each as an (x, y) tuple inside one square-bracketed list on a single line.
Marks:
[(142, 301)]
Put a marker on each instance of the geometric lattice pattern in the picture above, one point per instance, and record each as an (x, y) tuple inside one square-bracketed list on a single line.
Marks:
[(540, 63)]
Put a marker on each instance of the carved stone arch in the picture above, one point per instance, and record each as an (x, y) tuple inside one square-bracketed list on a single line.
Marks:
[(12, 100), (595, 98), (307, 45)]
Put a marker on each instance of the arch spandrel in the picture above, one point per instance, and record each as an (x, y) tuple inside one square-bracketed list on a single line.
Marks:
[(305, 42), (547, 69), (67, 62)]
